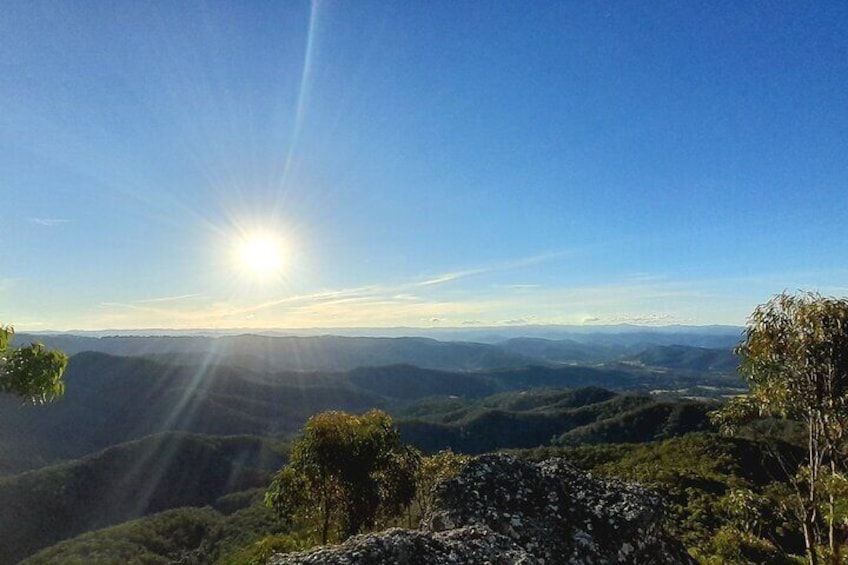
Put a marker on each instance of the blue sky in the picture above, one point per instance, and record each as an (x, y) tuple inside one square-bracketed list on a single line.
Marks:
[(423, 163)]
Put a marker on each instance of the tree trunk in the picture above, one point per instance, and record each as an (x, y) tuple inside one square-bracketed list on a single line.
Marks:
[(325, 526), (813, 451), (810, 539), (833, 532)]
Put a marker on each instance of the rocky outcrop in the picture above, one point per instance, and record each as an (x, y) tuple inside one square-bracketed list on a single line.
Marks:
[(472, 545), (503, 510)]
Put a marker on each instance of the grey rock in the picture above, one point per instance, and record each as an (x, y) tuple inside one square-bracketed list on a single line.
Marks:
[(472, 545), (504, 510)]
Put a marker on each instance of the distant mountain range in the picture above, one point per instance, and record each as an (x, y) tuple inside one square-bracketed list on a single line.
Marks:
[(481, 334), (339, 353)]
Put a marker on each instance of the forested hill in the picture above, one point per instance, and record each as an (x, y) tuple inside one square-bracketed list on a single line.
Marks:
[(686, 358), (113, 399), (548, 418), (126, 481)]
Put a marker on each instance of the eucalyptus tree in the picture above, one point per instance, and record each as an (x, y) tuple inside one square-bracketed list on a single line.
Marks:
[(794, 357), (343, 470)]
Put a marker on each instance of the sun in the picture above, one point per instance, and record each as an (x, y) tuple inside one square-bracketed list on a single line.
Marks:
[(261, 255)]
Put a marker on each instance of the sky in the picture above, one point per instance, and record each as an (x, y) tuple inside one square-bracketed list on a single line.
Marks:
[(418, 164)]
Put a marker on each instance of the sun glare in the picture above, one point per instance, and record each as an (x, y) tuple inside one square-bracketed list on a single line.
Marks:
[(261, 255)]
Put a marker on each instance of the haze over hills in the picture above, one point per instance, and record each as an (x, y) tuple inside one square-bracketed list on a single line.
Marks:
[(466, 333), (112, 399), (123, 388), (573, 344), (300, 353)]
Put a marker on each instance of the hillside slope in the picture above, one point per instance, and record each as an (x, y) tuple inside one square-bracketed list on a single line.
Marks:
[(126, 481), (548, 417), (110, 400)]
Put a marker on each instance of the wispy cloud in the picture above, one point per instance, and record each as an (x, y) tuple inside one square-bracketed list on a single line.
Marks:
[(644, 300), (395, 294), (494, 268), (449, 277), (178, 298), (324, 296), (48, 222), (128, 306), (646, 277)]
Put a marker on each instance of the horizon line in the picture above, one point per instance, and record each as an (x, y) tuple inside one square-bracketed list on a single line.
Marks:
[(164, 331)]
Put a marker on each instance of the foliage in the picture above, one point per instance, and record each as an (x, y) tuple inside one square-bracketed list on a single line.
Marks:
[(399, 483), (795, 360), (433, 471), (261, 550), (731, 545), (342, 472), (32, 372)]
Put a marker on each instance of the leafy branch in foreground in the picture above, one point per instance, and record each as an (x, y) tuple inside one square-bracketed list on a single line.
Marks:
[(32, 372)]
